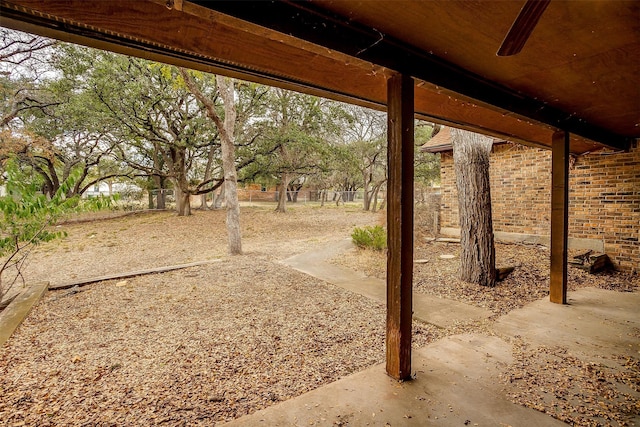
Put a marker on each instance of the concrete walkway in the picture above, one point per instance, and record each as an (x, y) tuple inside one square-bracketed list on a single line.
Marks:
[(437, 311), (455, 386), (458, 378)]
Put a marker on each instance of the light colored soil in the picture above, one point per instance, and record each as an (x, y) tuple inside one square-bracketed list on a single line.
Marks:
[(189, 347), (214, 342), (158, 239)]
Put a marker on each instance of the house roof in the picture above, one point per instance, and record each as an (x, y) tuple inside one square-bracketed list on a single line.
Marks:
[(578, 71), (441, 142)]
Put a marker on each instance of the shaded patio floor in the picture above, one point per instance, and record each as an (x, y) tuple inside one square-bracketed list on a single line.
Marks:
[(460, 380)]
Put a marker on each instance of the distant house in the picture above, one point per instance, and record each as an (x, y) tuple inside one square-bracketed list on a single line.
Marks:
[(604, 197), (103, 188), (260, 193)]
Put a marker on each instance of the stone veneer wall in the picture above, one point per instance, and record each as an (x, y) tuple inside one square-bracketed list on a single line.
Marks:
[(604, 197)]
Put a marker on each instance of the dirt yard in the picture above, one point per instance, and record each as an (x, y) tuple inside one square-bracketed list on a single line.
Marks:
[(215, 342), (194, 346)]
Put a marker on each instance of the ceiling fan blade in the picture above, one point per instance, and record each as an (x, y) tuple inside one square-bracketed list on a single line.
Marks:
[(522, 27)]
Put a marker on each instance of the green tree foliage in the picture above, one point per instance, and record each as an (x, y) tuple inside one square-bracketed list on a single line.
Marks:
[(427, 165), (161, 129), (26, 216), (53, 124), (112, 117), (366, 139), (167, 134), (23, 65), (296, 129)]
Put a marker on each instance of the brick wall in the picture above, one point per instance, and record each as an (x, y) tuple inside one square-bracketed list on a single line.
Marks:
[(605, 203), (448, 193), (254, 193), (604, 197)]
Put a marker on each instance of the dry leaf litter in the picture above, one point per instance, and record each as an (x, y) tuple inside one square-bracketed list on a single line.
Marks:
[(190, 347), (215, 342)]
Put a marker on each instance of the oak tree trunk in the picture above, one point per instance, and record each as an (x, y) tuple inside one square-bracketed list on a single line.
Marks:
[(367, 178), (158, 181), (183, 202), (161, 199), (226, 90), (383, 203), (376, 191), (218, 198), (471, 162), (207, 177), (282, 195), (176, 160), (226, 130)]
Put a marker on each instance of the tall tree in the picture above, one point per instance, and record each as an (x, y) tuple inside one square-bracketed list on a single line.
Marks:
[(226, 89), (226, 128), (166, 133), (23, 66), (346, 176), (54, 129), (55, 160), (471, 163), (299, 126), (365, 134)]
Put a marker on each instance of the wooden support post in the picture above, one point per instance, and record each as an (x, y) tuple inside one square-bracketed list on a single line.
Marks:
[(400, 112), (559, 217)]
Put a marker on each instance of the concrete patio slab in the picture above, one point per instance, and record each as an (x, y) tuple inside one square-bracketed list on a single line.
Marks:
[(457, 379), (594, 322), (456, 384)]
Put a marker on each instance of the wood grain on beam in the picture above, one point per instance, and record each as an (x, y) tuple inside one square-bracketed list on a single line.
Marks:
[(559, 217), (400, 225), (203, 39), (310, 21)]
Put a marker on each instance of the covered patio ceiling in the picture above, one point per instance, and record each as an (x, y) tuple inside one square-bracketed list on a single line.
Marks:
[(578, 71), (574, 86)]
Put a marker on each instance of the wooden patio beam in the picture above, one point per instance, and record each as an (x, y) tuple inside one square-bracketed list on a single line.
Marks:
[(310, 21), (559, 217), (400, 92), (221, 44)]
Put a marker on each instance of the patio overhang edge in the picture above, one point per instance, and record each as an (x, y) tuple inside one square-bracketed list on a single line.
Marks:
[(304, 21), (429, 96)]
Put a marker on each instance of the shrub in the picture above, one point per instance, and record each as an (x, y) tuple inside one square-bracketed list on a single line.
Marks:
[(370, 237), (26, 217)]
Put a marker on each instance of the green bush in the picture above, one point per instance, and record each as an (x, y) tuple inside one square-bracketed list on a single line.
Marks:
[(27, 216), (370, 237)]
